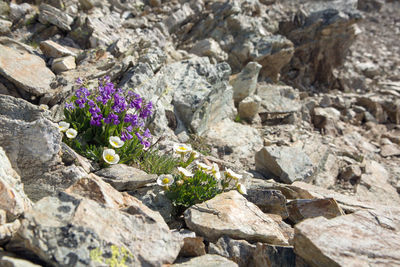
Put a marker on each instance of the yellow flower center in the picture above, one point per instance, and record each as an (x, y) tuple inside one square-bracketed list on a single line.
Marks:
[(115, 143), (182, 148), (109, 157), (165, 181)]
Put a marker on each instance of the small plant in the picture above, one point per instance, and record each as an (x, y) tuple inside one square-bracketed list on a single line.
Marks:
[(105, 124)]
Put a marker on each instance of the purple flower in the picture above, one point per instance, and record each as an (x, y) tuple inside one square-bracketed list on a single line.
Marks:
[(129, 128), (136, 103), (139, 136), (126, 136), (119, 103), (96, 121), (147, 133), (91, 103), (69, 106), (94, 110), (146, 111), (80, 102), (79, 81), (145, 143), (112, 118), (131, 118)]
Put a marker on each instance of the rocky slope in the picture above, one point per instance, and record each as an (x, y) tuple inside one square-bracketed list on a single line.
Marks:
[(300, 97)]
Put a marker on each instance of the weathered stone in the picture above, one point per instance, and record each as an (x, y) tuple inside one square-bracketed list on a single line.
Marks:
[(322, 39), (239, 251), (177, 18), (207, 260), (248, 107), (17, 12), (209, 48), (359, 239), (93, 231), (326, 119), (268, 255), (8, 230), (10, 260), (192, 246), (288, 164), (12, 197), (26, 71), (32, 144), (268, 200), (52, 15), (126, 178), (232, 215), (52, 49), (5, 26), (301, 209), (370, 5), (234, 140), (63, 64), (3, 217), (244, 84), (390, 150)]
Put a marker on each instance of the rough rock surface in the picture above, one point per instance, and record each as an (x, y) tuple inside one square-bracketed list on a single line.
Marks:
[(232, 215), (361, 238), (207, 260)]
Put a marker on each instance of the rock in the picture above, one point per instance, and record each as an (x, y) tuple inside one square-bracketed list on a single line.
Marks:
[(322, 39), (3, 217), (52, 49), (351, 173), (248, 107), (195, 90), (18, 12), (207, 260), (63, 64), (13, 200), (244, 84), (326, 119), (82, 232), (32, 144), (268, 200), (301, 209), (268, 255), (26, 71), (279, 103), (8, 230), (234, 140), (232, 215), (209, 48), (126, 178), (192, 246), (370, 5), (288, 164), (5, 26), (174, 20), (364, 236), (11, 260), (239, 251), (52, 15), (390, 150)]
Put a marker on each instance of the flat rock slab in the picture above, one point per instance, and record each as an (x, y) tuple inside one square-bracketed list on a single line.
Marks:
[(207, 260), (126, 178), (71, 231), (232, 215), (289, 164), (364, 238), (26, 71), (301, 209)]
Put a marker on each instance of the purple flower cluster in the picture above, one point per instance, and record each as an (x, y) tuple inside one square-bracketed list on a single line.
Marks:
[(95, 111), (82, 95)]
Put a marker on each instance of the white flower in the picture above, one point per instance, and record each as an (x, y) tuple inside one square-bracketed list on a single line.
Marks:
[(165, 180), (215, 171), (241, 188), (185, 172), (44, 107), (203, 167), (182, 148), (231, 174), (71, 133), (110, 156), (195, 154), (116, 142), (63, 126)]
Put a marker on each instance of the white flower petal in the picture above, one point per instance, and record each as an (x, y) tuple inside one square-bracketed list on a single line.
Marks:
[(182, 148), (71, 133), (231, 174), (241, 188), (185, 172), (203, 167), (116, 142), (63, 126), (110, 157), (165, 180)]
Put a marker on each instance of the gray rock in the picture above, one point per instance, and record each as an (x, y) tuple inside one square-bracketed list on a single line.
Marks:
[(267, 255), (173, 21), (322, 39), (239, 251), (17, 12), (244, 84), (210, 48), (67, 230), (63, 64), (268, 200), (52, 49), (370, 5), (288, 164), (13, 200), (52, 15), (249, 107), (207, 260), (26, 71), (232, 215), (32, 144), (8, 230), (363, 236), (126, 178), (5, 26), (10, 260)]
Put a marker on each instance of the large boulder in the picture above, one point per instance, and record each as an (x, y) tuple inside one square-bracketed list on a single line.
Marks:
[(364, 238), (232, 215)]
